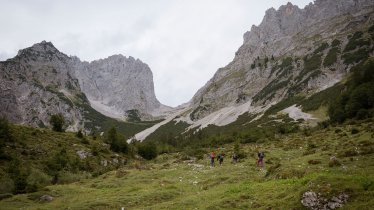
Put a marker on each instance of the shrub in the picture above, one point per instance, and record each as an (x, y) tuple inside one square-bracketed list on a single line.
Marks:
[(66, 177), (366, 184), (314, 162), (356, 41), (117, 143), (36, 180), (4, 130), (6, 185), (5, 195), (147, 150), (321, 48), (58, 161), (331, 57), (354, 131), (291, 173), (80, 134), (58, 122), (334, 162)]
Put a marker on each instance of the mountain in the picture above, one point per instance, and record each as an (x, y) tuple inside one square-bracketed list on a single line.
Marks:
[(119, 87), (41, 81), (293, 55), (37, 83), (287, 54)]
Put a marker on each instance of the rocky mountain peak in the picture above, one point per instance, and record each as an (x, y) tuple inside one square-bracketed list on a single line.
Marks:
[(286, 54), (39, 48)]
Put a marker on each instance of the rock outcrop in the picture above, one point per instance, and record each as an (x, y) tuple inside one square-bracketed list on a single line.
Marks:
[(36, 84), (118, 86)]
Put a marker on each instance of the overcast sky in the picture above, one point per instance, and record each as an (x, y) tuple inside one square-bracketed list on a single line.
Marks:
[(184, 42)]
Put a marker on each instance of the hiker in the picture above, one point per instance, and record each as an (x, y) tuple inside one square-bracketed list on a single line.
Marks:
[(234, 158), (212, 157), (220, 158), (260, 160)]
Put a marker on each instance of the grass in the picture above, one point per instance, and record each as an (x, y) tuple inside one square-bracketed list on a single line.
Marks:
[(170, 181)]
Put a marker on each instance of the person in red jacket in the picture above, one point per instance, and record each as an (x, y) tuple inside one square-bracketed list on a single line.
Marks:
[(212, 157)]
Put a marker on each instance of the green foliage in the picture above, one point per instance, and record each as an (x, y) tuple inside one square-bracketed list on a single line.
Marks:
[(322, 98), (6, 185), (355, 57), (66, 177), (270, 90), (286, 63), (312, 63), (18, 174), (355, 41), (331, 56), (58, 122), (354, 131), (287, 128), (253, 65), (287, 102), (133, 115), (335, 43), (148, 150), (98, 122), (37, 180), (117, 143), (321, 48), (5, 134), (358, 99), (59, 161), (80, 134)]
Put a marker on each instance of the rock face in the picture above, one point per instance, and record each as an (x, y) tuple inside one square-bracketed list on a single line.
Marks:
[(292, 51), (41, 81), (117, 86), (37, 83)]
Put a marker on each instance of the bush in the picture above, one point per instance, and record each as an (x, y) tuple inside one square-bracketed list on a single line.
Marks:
[(37, 180), (314, 162), (6, 185), (354, 131), (334, 162), (147, 150), (58, 122), (331, 57), (358, 99), (58, 162), (80, 134), (66, 177), (117, 143), (4, 130)]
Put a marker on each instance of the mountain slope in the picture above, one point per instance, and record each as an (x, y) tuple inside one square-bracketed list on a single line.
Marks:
[(292, 51), (291, 56), (41, 81)]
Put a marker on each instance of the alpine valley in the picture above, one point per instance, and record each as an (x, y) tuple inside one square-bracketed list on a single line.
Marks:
[(300, 88)]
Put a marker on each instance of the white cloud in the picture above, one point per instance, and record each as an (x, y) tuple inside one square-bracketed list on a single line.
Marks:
[(183, 42)]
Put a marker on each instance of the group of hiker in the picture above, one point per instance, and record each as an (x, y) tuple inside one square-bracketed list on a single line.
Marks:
[(235, 158)]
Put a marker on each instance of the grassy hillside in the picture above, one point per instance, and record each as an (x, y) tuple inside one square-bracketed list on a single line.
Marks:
[(32, 158), (294, 163)]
